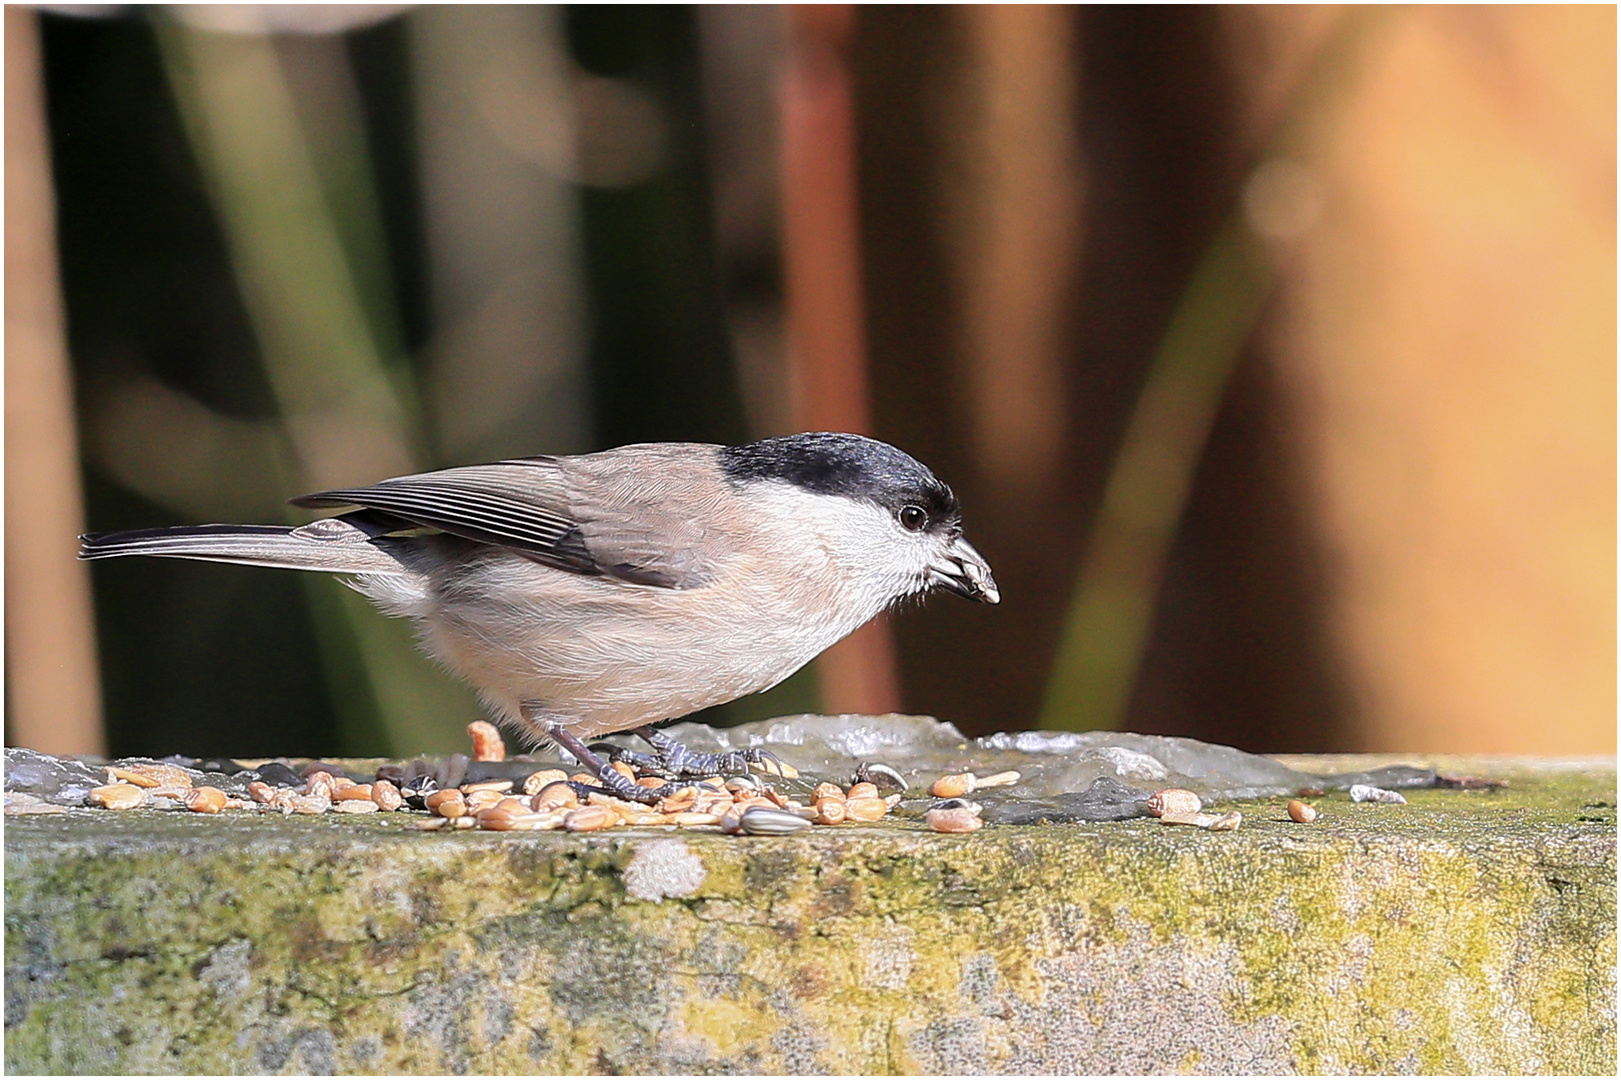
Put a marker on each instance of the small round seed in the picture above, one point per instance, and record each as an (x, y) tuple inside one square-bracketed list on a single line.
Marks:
[(828, 791), (204, 800), (487, 744), (355, 806), (862, 789), (589, 818), (448, 803), (319, 782), (949, 787), (292, 802), (958, 820), (1302, 812), (483, 799), (386, 795), (117, 796), (537, 780), (765, 821), (261, 792), (507, 818), (555, 795), (1173, 801), (622, 769), (865, 808), (830, 811), (353, 791)]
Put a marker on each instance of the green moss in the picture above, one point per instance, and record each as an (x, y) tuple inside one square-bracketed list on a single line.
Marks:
[(1467, 931)]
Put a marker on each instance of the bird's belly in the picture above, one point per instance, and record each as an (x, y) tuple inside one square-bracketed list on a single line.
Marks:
[(607, 656)]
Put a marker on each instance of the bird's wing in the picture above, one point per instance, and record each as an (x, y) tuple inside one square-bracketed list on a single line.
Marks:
[(628, 513)]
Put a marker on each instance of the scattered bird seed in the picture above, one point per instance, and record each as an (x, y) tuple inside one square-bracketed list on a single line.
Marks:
[(487, 744), (830, 810), (766, 821), (386, 795), (355, 806), (116, 797), (537, 780), (1227, 822), (487, 785), (865, 808), (588, 819), (949, 787), (1001, 779), (1369, 793), (874, 772), (863, 790), (953, 820), (352, 792), (447, 803), (291, 802), (1173, 801), (1302, 812), (204, 800)]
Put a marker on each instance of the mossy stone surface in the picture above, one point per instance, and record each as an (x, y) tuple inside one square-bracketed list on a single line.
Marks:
[(1468, 931)]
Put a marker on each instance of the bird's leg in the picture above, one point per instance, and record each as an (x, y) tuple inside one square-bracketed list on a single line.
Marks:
[(613, 782), (647, 763), (673, 759)]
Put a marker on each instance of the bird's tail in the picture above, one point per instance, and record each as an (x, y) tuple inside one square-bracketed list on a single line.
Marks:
[(331, 544)]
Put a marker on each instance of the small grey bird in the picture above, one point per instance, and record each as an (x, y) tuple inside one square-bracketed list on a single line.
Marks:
[(608, 592)]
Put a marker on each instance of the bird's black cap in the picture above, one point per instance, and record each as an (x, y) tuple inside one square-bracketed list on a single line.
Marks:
[(854, 466)]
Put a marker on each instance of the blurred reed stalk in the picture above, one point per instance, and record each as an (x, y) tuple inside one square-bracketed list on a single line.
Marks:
[(53, 683), (1106, 631), (827, 358), (348, 411), (1108, 623)]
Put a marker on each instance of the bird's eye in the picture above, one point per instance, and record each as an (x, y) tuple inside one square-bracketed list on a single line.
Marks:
[(914, 518)]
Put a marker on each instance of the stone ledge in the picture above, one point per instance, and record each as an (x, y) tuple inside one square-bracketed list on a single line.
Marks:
[(1466, 932)]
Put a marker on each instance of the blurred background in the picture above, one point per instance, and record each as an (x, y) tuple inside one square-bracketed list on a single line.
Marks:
[(1272, 350)]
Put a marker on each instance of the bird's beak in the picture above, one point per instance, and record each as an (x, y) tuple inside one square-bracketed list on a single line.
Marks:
[(963, 570)]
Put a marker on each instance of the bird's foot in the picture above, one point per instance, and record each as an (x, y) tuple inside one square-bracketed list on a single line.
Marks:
[(612, 781), (671, 759)]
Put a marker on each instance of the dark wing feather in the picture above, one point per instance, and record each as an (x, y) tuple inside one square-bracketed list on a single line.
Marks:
[(607, 514)]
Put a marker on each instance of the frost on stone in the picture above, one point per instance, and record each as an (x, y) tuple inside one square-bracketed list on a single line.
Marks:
[(663, 868), (65, 781), (1064, 775), (61, 780)]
